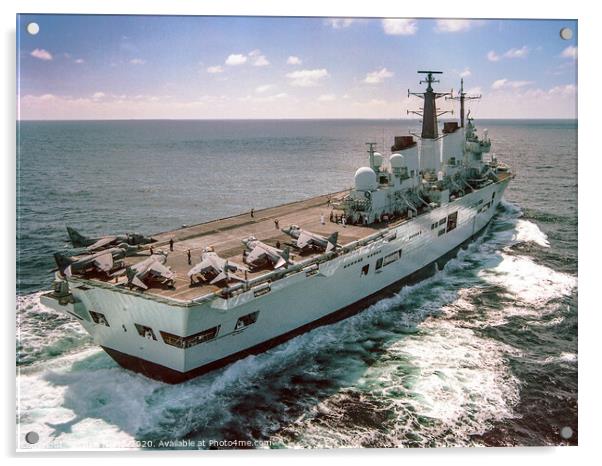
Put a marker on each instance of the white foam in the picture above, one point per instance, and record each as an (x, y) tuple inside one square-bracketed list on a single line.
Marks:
[(527, 281), (527, 231), (43, 333), (457, 380), (442, 371)]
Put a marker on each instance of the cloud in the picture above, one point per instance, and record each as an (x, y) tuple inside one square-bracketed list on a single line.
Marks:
[(258, 59), (137, 61), (506, 83), (400, 27), (46, 97), (453, 25), (327, 98), (292, 60), (378, 76), (566, 90), (263, 99), (79, 61), (339, 23), (474, 91), (215, 69), (261, 60), (236, 59), (569, 52), (517, 53), (98, 95), (465, 73), (511, 53), (41, 54), (492, 56), (307, 78), (264, 88)]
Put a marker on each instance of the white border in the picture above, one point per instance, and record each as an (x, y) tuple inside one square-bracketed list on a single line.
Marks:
[(589, 70)]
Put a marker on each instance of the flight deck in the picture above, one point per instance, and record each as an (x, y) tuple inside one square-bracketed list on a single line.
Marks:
[(225, 235)]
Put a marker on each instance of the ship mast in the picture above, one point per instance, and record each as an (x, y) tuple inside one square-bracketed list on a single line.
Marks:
[(462, 96), (429, 112)]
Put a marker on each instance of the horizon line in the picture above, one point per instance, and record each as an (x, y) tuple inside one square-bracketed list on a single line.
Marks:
[(276, 119)]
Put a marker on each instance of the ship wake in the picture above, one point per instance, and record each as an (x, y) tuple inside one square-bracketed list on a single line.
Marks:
[(422, 368)]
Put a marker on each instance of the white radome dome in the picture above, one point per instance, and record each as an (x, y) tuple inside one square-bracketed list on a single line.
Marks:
[(397, 161), (365, 179), (378, 159)]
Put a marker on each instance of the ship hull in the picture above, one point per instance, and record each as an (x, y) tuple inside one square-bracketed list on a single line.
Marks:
[(186, 341), (171, 376)]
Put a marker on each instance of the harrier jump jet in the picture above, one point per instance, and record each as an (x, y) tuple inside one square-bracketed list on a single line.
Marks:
[(95, 244), (150, 270), (307, 239), (214, 269), (259, 254), (102, 261)]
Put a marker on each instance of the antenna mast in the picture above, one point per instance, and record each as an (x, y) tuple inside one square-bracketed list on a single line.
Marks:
[(429, 112), (462, 96)]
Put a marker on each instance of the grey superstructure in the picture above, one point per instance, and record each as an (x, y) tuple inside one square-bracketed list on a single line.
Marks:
[(306, 263)]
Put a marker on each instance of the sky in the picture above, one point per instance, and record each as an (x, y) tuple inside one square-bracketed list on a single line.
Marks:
[(185, 67)]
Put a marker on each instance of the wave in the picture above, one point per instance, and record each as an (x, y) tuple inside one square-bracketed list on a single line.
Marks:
[(412, 370)]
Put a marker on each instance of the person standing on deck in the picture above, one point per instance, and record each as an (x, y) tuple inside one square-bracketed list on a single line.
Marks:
[(152, 251), (189, 257), (252, 213), (276, 222), (321, 219), (343, 220), (171, 244)]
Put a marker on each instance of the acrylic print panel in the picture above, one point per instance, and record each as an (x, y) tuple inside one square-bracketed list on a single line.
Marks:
[(245, 232)]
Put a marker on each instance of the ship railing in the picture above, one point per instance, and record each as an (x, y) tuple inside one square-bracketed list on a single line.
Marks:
[(301, 266), (121, 289)]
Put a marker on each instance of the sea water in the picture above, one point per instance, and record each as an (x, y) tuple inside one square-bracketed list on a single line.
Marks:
[(482, 353)]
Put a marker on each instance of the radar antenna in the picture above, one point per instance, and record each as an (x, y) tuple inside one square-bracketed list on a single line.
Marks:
[(462, 96), (429, 112)]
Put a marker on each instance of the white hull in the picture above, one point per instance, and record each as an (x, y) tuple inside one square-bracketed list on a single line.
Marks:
[(294, 304)]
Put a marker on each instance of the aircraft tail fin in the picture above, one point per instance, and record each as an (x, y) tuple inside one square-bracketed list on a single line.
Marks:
[(77, 239), (62, 261), (284, 258), (332, 241), (133, 278)]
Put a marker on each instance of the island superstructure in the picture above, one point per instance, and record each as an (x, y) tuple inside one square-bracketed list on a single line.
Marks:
[(268, 276)]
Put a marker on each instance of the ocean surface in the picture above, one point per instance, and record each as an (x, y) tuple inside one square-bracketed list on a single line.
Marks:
[(482, 353)]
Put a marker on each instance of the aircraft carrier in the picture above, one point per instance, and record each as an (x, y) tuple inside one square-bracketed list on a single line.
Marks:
[(188, 301)]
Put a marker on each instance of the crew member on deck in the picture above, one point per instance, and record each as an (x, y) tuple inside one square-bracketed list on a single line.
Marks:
[(276, 223), (189, 257), (171, 244), (252, 213)]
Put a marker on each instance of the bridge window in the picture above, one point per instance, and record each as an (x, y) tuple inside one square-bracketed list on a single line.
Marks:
[(365, 269), (99, 318), (247, 320), (145, 332)]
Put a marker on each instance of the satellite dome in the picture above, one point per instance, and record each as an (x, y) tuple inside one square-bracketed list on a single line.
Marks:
[(365, 179), (397, 161), (378, 159)]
